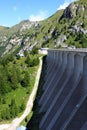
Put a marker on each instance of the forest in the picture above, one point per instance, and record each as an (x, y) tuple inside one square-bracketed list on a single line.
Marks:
[(17, 74)]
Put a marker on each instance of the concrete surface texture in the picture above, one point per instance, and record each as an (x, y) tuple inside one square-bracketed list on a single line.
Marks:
[(64, 99)]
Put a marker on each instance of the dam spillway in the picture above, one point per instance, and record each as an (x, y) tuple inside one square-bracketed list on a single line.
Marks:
[(64, 100)]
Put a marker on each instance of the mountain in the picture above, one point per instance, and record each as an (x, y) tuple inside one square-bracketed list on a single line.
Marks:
[(63, 29)]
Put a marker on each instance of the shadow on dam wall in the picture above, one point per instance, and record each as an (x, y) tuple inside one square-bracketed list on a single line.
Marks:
[(63, 103)]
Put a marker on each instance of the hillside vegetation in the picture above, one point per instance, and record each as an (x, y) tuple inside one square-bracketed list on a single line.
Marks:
[(64, 28), (17, 77)]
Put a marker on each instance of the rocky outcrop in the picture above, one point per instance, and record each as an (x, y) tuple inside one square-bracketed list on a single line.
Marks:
[(7, 49), (79, 29), (73, 10), (26, 24), (61, 41), (16, 40), (70, 11)]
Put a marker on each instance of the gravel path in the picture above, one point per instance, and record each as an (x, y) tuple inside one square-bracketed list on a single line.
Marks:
[(16, 122)]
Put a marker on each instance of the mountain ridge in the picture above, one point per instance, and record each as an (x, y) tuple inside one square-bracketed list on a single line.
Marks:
[(65, 28)]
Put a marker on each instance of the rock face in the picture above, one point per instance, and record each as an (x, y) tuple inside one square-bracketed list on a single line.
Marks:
[(72, 10), (79, 29), (61, 41)]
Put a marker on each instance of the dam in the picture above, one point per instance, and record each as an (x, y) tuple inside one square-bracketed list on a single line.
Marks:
[(64, 98)]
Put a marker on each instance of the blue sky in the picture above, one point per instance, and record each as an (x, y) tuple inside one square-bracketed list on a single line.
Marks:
[(14, 11)]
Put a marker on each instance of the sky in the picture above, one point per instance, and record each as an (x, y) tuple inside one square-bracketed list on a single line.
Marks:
[(14, 11)]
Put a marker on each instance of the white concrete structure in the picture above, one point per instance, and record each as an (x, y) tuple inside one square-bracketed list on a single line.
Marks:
[(43, 51), (64, 99)]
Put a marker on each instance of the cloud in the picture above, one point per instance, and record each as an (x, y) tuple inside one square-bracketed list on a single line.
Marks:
[(65, 4), (4, 25), (14, 8), (38, 17)]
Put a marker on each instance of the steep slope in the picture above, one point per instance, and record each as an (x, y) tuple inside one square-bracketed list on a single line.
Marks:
[(65, 28)]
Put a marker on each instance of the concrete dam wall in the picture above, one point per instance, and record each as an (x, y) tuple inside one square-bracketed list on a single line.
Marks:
[(64, 99)]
